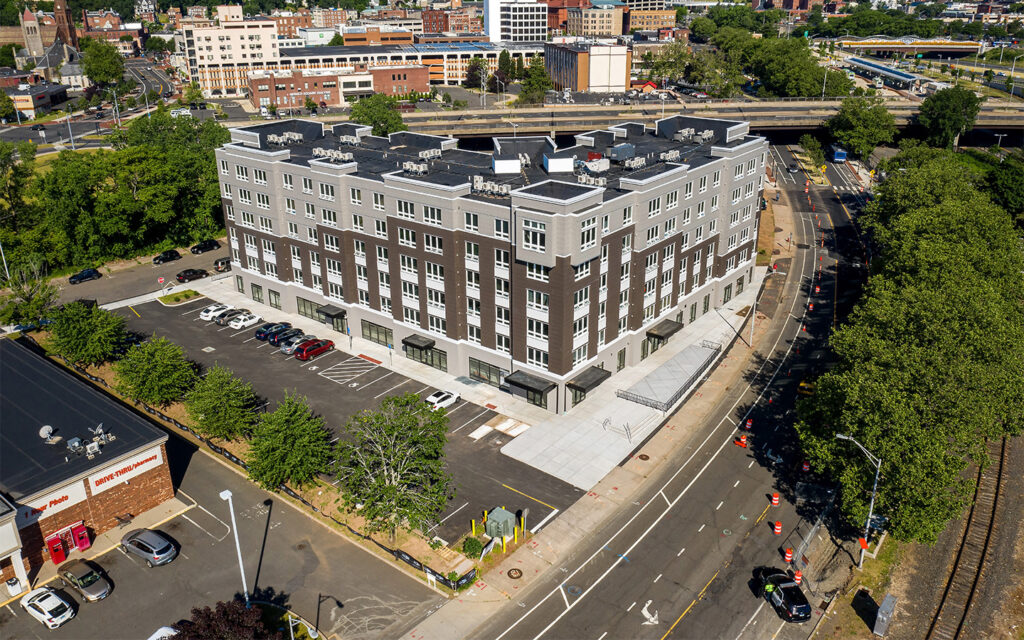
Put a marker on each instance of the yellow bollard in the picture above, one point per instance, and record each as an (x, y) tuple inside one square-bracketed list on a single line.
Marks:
[(522, 524), (503, 544), (515, 535), (473, 521), (485, 517)]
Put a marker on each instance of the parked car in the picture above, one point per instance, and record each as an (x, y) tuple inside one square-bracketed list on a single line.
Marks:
[(442, 399), (99, 115), (224, 318), (217, 316), (149, 545), (806, 388), (84, 578), (263, 332), (167, 256), (204, 246), (785, 596), (84, 276), (188, 275), (793, 168), (47, 607), (310, 350), (291, 344), (220, 265), (38, 127), (209, 312), (276, 338), (244, 320)]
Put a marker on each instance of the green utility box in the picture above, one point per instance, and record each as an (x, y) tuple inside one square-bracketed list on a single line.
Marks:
[(500, 523)]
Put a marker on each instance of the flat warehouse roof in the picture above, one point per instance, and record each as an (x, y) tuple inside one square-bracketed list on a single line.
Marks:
[(35, 392)]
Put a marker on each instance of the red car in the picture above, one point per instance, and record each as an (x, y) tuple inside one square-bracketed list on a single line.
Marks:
[(312, 348)]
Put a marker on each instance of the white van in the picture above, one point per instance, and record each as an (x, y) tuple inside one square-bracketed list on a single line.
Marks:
[(176, 113), (265, 112)]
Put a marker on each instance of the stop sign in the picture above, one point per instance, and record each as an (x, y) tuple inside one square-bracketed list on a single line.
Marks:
[(160, 280)]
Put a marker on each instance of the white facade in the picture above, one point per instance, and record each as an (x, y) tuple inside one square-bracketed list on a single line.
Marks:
[(609, 68), (234, 41), (316, 36), (515, 20)]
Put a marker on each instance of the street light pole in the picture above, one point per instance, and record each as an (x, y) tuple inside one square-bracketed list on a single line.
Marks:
[(871, 506), (226, 495), (70, 133)]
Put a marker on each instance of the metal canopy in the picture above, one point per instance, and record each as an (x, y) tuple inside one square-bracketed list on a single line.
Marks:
[(330, 311), (664, 329), (419, 342), (529, 381), (589, 379)]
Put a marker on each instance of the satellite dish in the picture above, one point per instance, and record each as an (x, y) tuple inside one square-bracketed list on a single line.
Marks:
[(45, 432)]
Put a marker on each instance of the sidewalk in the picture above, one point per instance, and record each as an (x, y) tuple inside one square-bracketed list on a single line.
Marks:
[(108, 541), (561, 539)]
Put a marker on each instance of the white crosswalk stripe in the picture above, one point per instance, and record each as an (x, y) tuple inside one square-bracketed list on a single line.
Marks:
[(347, 370)]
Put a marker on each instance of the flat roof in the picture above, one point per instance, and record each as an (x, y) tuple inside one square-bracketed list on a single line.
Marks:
[(35, 392)]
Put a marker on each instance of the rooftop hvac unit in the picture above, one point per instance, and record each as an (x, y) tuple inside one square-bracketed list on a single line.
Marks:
[(421, 168), (600, 181), (635, 163), (344, 156), (92, 448), (598, 166), (622, 152), (319, 152), (582, 179), (425, 154), (706, 135), (478, 183), (406, 166), (435, 153), (524, 159), (669, 156), (293, 136), (346, 139)]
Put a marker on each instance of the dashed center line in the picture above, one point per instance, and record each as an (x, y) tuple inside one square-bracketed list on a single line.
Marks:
[(659, 577), (736, 485), (719, 505), (630, 608), (681, 552), (701, 528)]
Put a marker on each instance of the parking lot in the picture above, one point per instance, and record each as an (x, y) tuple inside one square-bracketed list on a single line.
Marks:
[(339, 384), (288, 558)]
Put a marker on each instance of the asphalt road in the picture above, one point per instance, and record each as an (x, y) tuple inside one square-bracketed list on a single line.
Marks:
[(680, 561), (340, 384), (151, 79), (288, 558)]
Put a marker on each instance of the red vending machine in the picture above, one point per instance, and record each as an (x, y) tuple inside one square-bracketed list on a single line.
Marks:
[(56, 548), (81, 537)]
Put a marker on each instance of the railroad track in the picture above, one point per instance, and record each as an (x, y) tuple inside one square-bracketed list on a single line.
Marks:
[(948, 623)]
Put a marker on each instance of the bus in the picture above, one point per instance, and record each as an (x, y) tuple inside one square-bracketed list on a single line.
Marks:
[(837, 153)]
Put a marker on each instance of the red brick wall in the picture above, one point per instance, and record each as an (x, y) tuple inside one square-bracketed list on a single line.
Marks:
[(142, 493), (401, 80)]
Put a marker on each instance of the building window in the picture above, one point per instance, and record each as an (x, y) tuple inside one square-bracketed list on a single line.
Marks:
[(378, 202), (331, 243), (242, 173), (432, 244), (627, 215), (472, 222), (581, 298), (432, 216), (579, 355), (257, 293), (653, 207), (484, 372), (355, 196), (501, 229), (406, 210), (581, 271), (307, 185), (406, 237), (330, 218), (534, 236), (378, 334), (473, 279), (671, 200), (537, 300), (588, 234)]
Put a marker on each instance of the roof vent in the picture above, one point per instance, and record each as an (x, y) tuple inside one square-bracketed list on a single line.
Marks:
[(75, 446), (46, 433)]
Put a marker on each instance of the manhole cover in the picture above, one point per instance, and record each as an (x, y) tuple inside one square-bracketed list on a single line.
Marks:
[(644, 457), (776, 252), (778, 229), (515, 574)]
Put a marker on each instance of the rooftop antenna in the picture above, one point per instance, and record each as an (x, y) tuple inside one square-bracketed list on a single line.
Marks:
[(46, 433)]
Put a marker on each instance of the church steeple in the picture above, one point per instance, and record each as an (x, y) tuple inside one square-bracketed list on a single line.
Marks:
[(65, 25)]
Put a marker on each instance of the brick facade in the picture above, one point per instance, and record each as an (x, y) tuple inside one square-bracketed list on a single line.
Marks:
[(98, 512)]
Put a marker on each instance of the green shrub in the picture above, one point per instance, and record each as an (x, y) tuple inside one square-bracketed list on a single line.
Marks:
[(472, 547)]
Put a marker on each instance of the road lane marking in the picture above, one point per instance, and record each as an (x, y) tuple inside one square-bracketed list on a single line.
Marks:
[(719, 505), (736, 485), (441, 521), (763, 514), (630, 608), (530, 497), (662, 494), (751, 464), (701, 528), (540, 524), (601, 637), (467, 422), (779, 630), (134, 311), (749, 622), (701, 594), (805, 257), (681, 616), (659, 577), (681, 552), (564, 597)]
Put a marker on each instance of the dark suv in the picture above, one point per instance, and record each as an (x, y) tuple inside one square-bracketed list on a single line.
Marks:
[(785, 596), (204, 246), (277, 337), (167, 256)]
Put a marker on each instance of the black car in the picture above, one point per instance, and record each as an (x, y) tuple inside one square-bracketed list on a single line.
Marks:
[(277, 337), (188, 275), (224, 318), (38, 127), (204, 246), (793, 168), (785, 596), (202, 106), (264, 332), (167, 256), (85, 275), (99, 115)]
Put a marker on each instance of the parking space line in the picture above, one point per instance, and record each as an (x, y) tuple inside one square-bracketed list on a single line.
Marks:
[(467, 422), (242, 331), (529, 496), (441, 521), (199, 308), (377, 380), (318, 358), (201, 528), (249, 340), (391, 389), (423, 389), (463, 404)]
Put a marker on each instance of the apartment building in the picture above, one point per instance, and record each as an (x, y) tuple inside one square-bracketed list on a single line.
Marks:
[(605, 20), (588, 66), (364, 35), (450, 20), (334, 88), (328, 17), (515, 20), (233, 47), (288, 22), (650, 20), (528, 268), (646, 5)]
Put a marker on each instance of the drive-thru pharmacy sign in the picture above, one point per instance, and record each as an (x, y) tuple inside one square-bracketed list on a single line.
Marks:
[(125, 470)]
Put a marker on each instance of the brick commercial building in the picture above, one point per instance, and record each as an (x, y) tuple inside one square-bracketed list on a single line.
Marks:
[(100, 464), (605, 20), (650, 20), (333, 88), (289, 21), (522, 268)]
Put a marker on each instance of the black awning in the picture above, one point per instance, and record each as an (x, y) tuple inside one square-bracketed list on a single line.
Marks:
[(664, 329), (331, 311), (419, 342), (589, 379), (529, 381)]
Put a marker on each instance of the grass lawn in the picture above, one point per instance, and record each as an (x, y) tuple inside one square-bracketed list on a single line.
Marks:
[(845, 623), (43, 162), (178, 297)]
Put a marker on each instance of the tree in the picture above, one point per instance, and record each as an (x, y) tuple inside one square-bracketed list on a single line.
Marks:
[(221, 405), (989, 76), (948, 113), (7, 107), (476, 74), (7, 55), (702, 29), (193, 93), (289, 445), (505, 65), (159, 45), (336, 41), (520, 68), (681, 13), (393, 464), (227, 621), (27, 294), (861, 125), (310, 104), (272, 109), (379, 112), (87, 334), (155, 372), (813, 149), (102, 63), (536, 84), (1006, 183)]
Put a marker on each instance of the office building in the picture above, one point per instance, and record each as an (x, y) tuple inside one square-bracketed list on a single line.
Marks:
[(230, 49), (288, 22), (523, 268), (650, 20), (605, 20), (515, 20), (334, 88), (588, 66), (328, 17)]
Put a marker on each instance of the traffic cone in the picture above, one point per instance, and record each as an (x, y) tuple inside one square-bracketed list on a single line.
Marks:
[(741, 441), (778, 528), (775, 499), (749, 423), (817, 288), (810, 307), (807, 190), (806, 466), (797, 577), (789, 556)]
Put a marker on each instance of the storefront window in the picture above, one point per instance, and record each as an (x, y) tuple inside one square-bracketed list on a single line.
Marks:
[(376, 333), (240, 284), (485, 372), (307, 308), (433, 357), (257, 293), (274, 298), (537, 398)]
